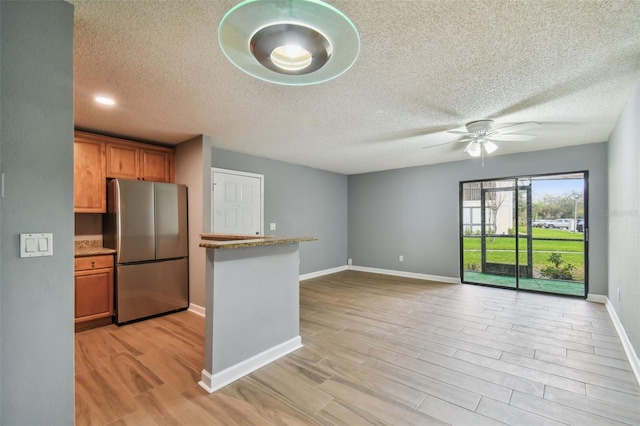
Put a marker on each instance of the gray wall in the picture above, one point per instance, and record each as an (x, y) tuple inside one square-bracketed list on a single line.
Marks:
[(254, 294), (624, 218), (302, 202), (36, 140), (414, 212), (193, 168)]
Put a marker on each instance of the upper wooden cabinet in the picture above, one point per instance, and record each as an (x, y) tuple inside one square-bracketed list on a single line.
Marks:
[(97, 158), (137, 161), (89, 192), (122, 161), (156, 165)]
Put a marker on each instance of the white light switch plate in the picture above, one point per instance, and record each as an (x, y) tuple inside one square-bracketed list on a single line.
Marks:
[(35, 245)]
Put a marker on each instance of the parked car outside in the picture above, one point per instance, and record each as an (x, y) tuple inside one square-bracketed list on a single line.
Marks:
[(580, 225), (540, 223), (559, 224)]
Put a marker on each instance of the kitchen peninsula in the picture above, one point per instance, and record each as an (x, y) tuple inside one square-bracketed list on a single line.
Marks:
[(252, 304)]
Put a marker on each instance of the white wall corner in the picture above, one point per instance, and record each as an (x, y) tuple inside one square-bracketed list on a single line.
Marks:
[(212, 383), (197, 309), (323, 272), (597, 298), (632, 356)]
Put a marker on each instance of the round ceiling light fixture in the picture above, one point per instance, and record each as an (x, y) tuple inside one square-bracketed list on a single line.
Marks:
[(291, 42)]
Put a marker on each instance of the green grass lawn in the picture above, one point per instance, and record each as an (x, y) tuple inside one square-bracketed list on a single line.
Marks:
[(472, 243), (502, 250), (556, 233)]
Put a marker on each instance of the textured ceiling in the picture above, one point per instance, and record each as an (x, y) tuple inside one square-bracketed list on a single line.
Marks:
[(424, 67)]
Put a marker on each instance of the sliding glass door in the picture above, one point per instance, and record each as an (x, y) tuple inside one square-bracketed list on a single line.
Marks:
[(525, 233)]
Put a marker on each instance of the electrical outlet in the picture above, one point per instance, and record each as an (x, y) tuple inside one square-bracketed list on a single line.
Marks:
[(401, 258), (272, 226), (349, 262)]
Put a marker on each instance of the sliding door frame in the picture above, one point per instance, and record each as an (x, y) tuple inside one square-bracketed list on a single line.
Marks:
[(585, 231)]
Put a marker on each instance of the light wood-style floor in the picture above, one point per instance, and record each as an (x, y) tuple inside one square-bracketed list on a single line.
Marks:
[(377, 350)]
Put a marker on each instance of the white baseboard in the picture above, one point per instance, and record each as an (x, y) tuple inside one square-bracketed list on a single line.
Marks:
[(197, 309), (626, 343), (212, 383), (438, 278), (317, 274), (597, 298)]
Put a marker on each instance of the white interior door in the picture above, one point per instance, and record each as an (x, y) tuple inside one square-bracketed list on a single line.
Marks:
[(237, 201)]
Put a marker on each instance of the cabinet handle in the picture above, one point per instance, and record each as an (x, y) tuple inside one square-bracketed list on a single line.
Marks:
[(93, 264)]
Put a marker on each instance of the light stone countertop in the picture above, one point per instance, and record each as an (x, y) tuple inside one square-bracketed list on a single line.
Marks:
[(84, 248), (221, 241)]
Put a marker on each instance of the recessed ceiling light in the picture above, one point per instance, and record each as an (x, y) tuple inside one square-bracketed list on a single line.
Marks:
[(291, 42), (104, 100)]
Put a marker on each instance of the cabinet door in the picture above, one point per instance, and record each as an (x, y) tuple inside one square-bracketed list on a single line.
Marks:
[(154, 165), (93, 294), (122, 161), (89, 192)]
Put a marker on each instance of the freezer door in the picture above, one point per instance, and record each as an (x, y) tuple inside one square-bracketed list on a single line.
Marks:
[(171, 221), (135, 221), (147, 289)]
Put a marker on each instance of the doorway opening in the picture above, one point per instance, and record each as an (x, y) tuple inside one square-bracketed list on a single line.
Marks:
[(527, 232)]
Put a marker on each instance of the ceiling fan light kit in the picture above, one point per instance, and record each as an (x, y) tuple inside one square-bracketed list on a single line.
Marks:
[(475, 147), (490, 147), (289, 42)]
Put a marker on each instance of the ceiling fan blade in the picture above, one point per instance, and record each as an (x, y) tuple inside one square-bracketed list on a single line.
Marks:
[(467, 139), (517, 127), (514, 138), (458, 132), (438, 144), (408, 134)]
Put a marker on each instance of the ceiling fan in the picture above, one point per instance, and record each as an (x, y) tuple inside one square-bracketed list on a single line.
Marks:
[(482, 136)]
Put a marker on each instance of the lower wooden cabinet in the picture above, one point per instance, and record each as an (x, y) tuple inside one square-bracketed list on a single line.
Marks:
[(93, 291)]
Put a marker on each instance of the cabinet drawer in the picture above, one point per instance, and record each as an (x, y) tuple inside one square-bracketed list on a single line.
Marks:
[(93, 262)]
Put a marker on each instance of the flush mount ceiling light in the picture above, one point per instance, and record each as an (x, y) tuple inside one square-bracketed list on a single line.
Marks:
[(290, 42)]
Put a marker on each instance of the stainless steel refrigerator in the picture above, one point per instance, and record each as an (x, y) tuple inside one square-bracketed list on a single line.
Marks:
[(146, 223)]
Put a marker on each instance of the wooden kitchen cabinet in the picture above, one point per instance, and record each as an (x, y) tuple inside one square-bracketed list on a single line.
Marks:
[(93, 291), (156, 165), (89, 160), (136, 161), (122, 161)]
